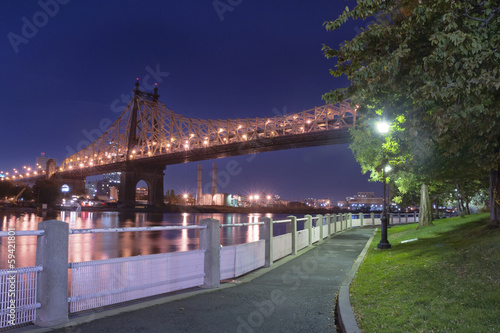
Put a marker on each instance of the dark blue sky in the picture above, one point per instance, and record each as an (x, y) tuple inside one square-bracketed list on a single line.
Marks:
[(65, 69)]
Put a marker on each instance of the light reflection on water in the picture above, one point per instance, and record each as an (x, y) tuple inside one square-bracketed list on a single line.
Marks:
[(87, 247)]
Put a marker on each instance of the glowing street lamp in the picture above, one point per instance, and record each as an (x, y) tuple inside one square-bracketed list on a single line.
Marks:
[(383, 128)]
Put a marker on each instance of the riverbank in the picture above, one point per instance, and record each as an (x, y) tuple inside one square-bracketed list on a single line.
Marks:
[(184, 209)]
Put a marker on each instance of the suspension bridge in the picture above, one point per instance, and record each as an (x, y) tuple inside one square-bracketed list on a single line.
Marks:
[(148, 136)]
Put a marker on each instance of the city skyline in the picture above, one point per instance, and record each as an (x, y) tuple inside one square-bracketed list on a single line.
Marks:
[(66, 84)]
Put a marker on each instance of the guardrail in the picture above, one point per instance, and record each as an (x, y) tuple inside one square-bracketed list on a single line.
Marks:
[(364, 219), (100, 283)]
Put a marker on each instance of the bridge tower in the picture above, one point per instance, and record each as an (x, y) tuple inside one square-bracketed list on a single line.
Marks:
[(133, 171)]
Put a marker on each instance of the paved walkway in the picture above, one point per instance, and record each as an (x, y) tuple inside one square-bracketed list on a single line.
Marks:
[(296, 296)]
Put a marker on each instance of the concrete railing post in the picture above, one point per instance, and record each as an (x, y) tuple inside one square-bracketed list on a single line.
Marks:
[(399, 216), (334, 218), (344, 221), (268, 237), (372, 216), (406, 218), (210, 242), (361, 219), (328, 223), (52, 282), (350, 220), (293, 231), (308, 226), (392, 218), (319, 222)]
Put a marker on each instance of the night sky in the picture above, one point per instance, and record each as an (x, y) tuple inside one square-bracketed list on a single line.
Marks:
[(65, 73)]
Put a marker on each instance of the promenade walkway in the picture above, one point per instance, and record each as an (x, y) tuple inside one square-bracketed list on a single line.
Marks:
[(297, 294)]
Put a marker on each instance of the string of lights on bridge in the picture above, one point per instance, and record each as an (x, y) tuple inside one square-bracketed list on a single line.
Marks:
[(27, 172)]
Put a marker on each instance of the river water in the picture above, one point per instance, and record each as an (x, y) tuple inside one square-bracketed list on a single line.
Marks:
[(87, 247)]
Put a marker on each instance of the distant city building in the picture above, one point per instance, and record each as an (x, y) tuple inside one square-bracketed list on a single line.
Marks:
[(318, 203), (362, 201), (41, 162), (113, 193), (91, 187), (142, 193), (109, 180)]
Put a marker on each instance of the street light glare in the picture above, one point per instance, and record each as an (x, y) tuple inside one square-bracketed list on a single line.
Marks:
[(388, 168), (383, 127)]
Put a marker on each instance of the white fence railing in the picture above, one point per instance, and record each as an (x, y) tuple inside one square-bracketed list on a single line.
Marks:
[(364, 219), (237, 260), (18, 302), (101, 283), (104, 282)]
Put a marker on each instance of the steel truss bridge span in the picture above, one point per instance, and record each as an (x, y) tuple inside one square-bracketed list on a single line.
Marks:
[(147, 132), (147, 136)]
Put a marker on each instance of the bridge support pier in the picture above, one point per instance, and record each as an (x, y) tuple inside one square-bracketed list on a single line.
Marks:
[(152, 175)]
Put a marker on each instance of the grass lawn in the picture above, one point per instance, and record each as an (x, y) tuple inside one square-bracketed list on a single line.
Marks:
[(446, 281)]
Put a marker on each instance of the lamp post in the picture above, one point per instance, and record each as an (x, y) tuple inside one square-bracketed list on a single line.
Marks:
[(383, 128)]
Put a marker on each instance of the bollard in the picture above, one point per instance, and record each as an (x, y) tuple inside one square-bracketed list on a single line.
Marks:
[(319, 222), (308, 225), (268, 237), (210, 242), (293, 230), (52, 282)]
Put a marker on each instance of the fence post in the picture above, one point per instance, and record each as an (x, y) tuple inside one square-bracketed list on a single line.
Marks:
[(309, 227), (293, 230), (268, 237), (372, 216), (392, 218), (344, 220), (210, 242), (399, 216), (350, 220), (52, 281), (406, 218), (334, 219), (319, 222), (361, 219), (329, 226)]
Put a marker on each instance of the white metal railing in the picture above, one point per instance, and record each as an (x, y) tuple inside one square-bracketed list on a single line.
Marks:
[(237, 260), (22, 233), (18, 295), (282, 221), (160, 228), (240, 224), (362, 219), (104, 282)]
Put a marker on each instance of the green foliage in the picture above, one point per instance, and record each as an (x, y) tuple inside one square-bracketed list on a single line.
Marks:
[(431, 67)]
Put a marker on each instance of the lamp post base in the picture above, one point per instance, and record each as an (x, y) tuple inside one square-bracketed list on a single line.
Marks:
[(384, 245)]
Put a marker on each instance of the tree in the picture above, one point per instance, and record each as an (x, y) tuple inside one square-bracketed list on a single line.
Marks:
[(435, 63), (47, 191)]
